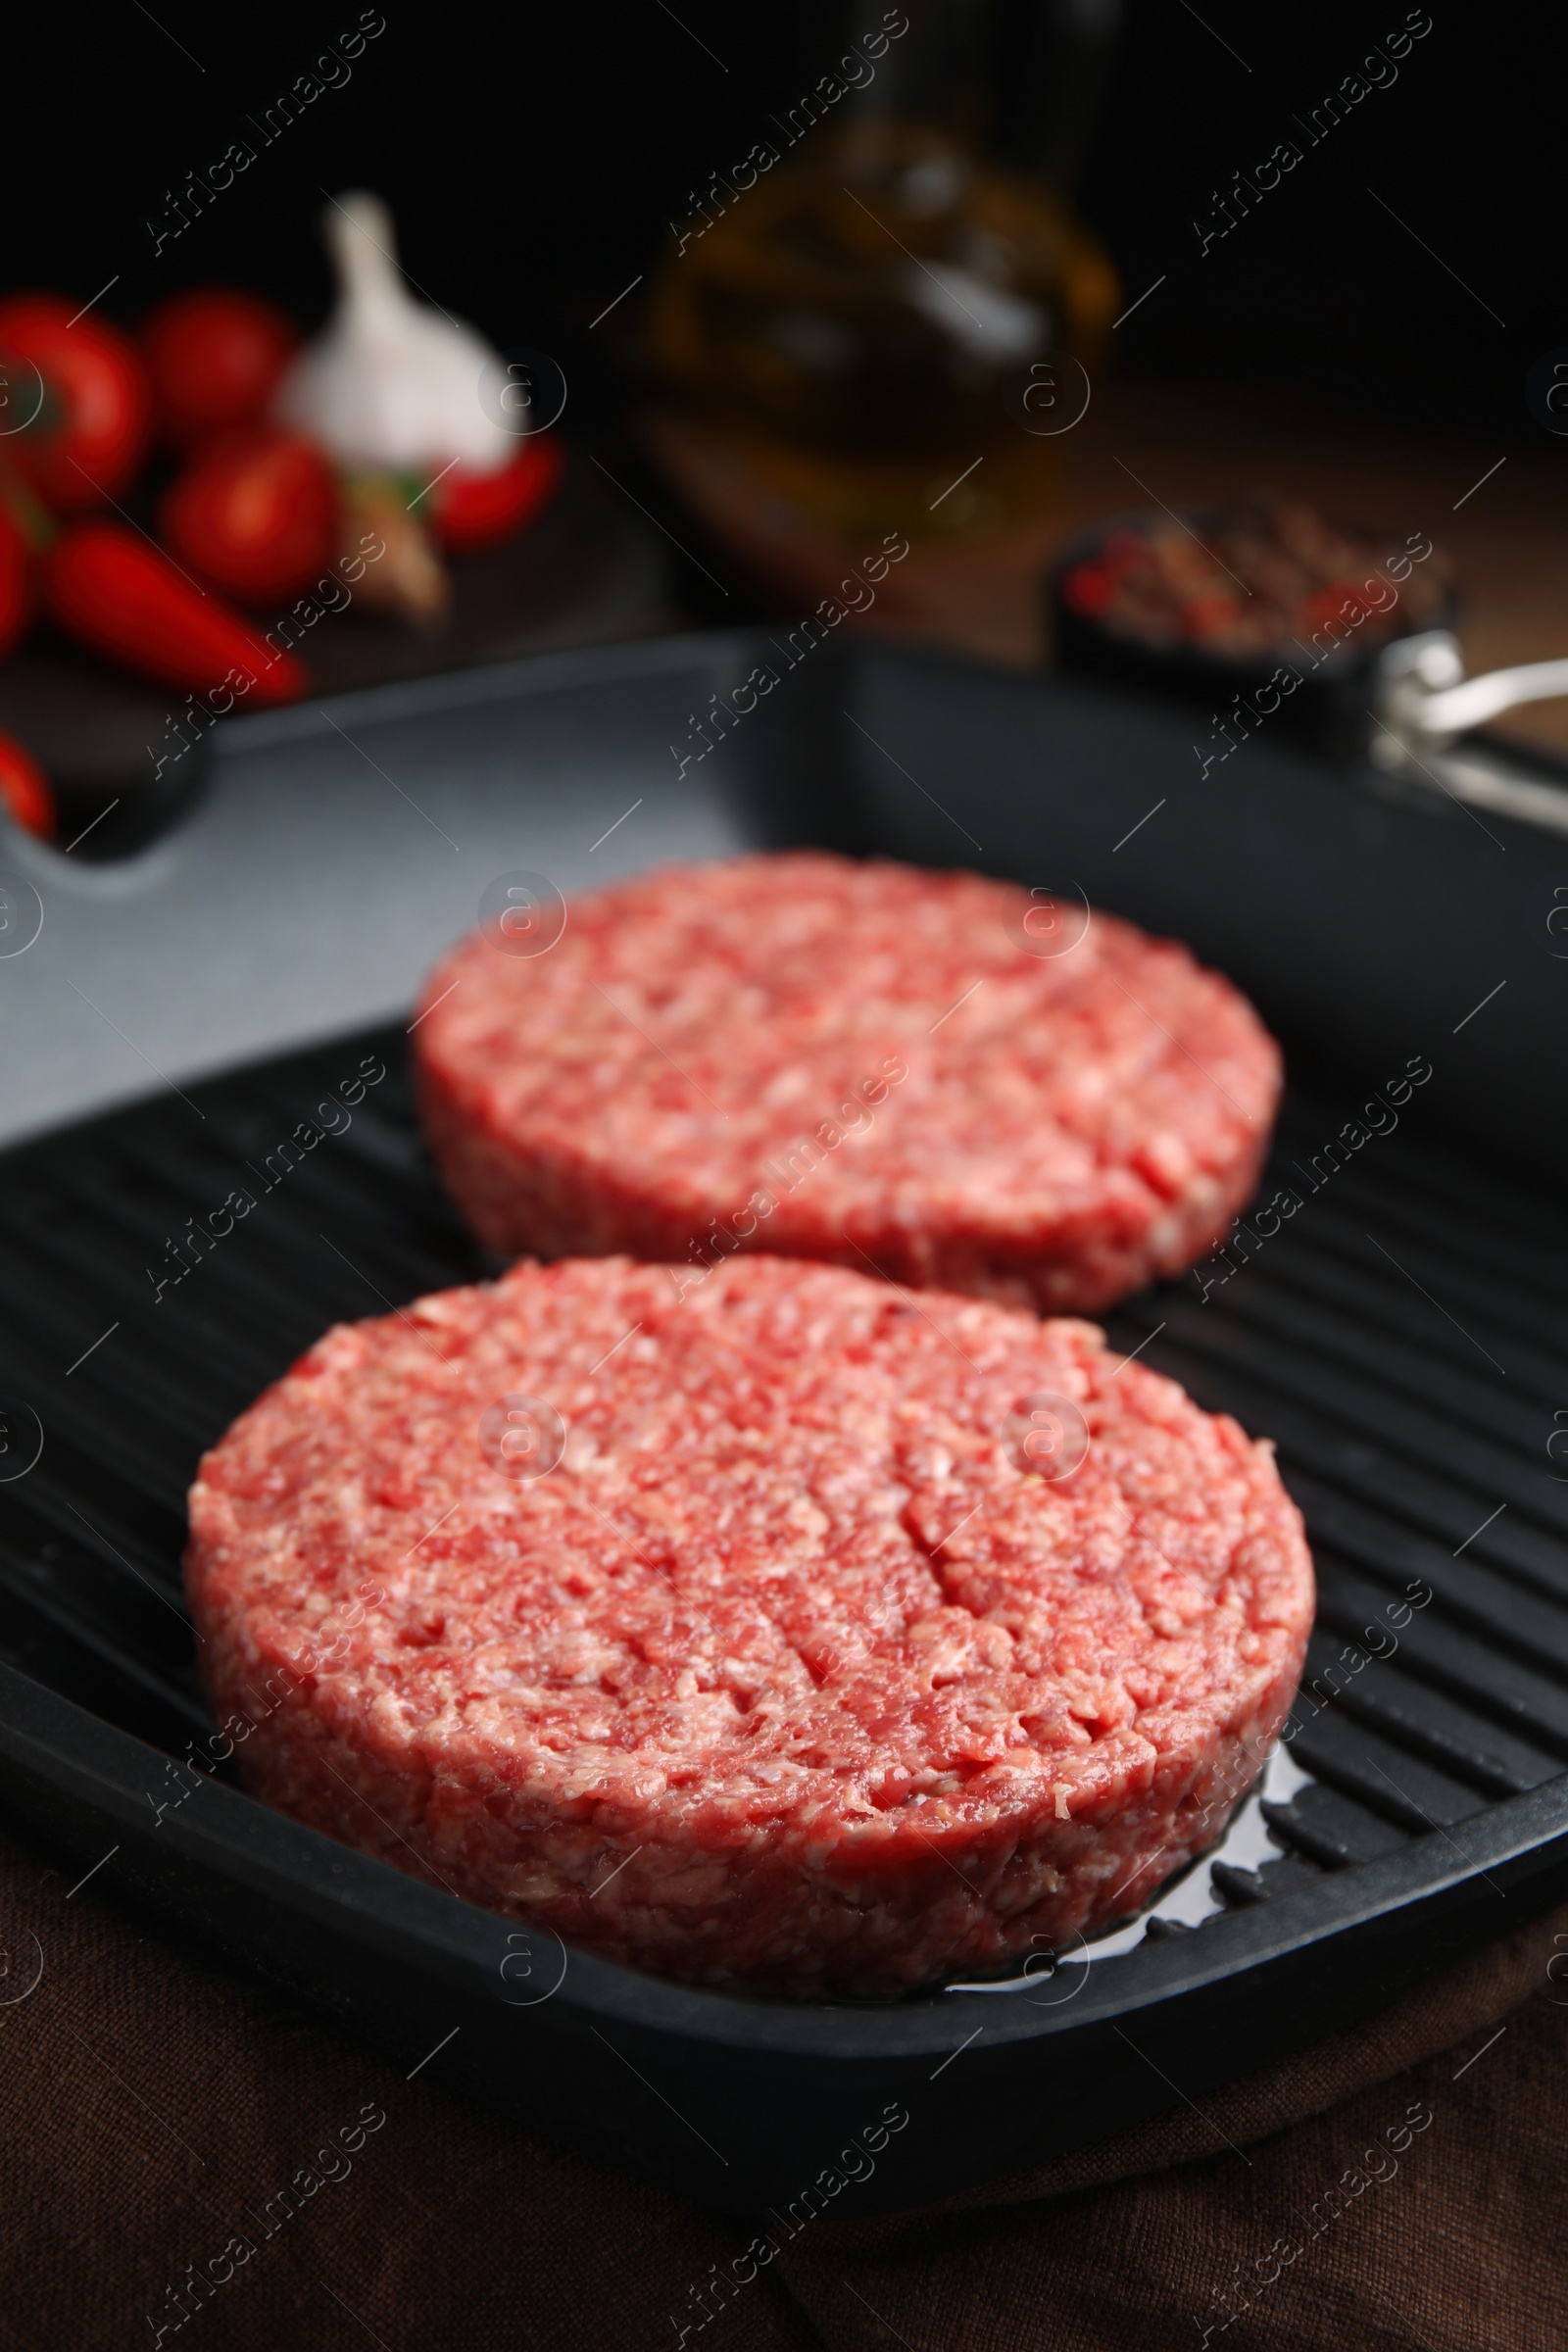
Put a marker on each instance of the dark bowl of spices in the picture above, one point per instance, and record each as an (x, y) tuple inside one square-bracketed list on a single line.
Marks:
[(1267, 612)]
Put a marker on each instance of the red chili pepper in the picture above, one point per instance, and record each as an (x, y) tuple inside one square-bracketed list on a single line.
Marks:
[(475, 509), (15, 581), (215, 357), (124, 597), (80, 393), (257, 511), (24, 790)]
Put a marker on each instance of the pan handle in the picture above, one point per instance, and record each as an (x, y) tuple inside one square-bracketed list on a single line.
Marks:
[(1454, 710), (1423, 700), (1426, 699)]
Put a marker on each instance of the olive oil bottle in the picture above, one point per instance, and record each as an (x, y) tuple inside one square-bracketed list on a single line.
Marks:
[(888, 329)]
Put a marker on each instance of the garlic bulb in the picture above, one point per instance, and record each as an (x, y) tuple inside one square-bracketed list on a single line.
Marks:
[(391, 384)]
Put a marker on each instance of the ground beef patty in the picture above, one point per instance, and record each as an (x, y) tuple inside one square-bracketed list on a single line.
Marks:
[(819, 1660), (928, 1076)]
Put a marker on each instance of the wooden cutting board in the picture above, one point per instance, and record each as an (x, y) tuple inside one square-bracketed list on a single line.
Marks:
[(588, 571)]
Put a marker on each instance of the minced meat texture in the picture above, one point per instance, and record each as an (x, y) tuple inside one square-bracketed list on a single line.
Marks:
[(934, 1077), (804, 1666)]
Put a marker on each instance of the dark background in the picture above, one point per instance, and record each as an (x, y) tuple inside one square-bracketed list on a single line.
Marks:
[(535, 157)]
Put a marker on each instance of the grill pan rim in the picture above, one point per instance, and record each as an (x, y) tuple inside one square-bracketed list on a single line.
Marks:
[(1370, 1928), (1513, 1832)]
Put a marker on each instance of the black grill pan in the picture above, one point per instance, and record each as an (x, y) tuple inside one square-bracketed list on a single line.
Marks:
[(1399, 1335)]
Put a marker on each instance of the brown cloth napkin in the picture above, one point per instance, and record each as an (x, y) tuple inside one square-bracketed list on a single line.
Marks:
[(1398, 2188)]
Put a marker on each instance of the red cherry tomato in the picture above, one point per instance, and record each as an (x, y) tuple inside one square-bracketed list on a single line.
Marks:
[(15, 582), (256, 513), (475, 509), (215, 357), (86, 437), (24, 790)]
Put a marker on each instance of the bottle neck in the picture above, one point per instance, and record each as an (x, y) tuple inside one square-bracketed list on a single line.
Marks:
[(930, 73)]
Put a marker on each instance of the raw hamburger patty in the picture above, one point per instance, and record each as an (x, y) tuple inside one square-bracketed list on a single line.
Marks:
[(856, 1062), (794, 1670)]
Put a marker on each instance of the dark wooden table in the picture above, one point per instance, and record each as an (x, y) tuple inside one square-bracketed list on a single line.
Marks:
[(1185, 444)]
